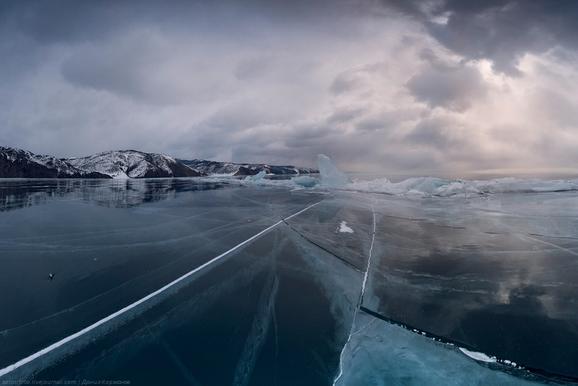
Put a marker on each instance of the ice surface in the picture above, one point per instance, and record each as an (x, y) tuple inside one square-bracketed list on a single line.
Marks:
[(494, 272), (330, 175), (487, 272), (380, 353)]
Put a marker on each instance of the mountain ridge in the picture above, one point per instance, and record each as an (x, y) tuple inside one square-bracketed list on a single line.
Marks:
[(18, 163), (244, 169)]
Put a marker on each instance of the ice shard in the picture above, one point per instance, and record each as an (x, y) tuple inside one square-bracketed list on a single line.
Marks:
[(330, 175)]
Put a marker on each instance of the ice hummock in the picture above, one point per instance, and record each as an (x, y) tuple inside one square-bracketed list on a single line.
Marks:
[(428, 186), (259, 177), (440, 187), (305, 181), (329, 174), (331, 177)]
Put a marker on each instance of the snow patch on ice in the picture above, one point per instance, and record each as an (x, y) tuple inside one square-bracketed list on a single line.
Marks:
[(478, 356), (343, 228), (509, 363)]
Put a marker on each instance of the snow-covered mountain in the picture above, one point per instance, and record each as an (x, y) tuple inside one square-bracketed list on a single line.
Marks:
[(16, 163), (134, 164), (239, 169)]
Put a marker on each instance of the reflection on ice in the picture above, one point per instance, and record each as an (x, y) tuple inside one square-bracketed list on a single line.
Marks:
[(20, 193), (496, 274)]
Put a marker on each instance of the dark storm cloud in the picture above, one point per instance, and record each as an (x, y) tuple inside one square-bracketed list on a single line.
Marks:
[(142, 67), (66, 20), (345, 82), (434, 133), (388, 119), (71, 20), (345, 115), (121, 72), (500, 30), (454, 86)]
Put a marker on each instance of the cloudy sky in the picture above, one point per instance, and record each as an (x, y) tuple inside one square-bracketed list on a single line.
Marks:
[(392, 86)]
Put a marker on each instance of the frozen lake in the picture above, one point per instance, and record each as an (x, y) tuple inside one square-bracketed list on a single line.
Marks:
[(209, 282)]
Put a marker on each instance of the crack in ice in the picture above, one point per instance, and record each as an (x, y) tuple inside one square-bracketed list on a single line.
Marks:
[(360, 300), (10, 368)]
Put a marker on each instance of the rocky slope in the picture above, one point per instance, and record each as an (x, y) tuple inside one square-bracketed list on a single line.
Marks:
[(16, 163), (239, 169)]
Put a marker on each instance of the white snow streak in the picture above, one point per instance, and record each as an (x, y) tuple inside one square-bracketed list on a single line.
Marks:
[(478, 356)]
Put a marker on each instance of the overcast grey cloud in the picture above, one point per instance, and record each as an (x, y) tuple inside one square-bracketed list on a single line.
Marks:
[(451, 86), (390, 86)]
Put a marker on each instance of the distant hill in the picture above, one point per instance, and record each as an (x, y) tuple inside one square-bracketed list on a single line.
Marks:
[(17, 163)]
